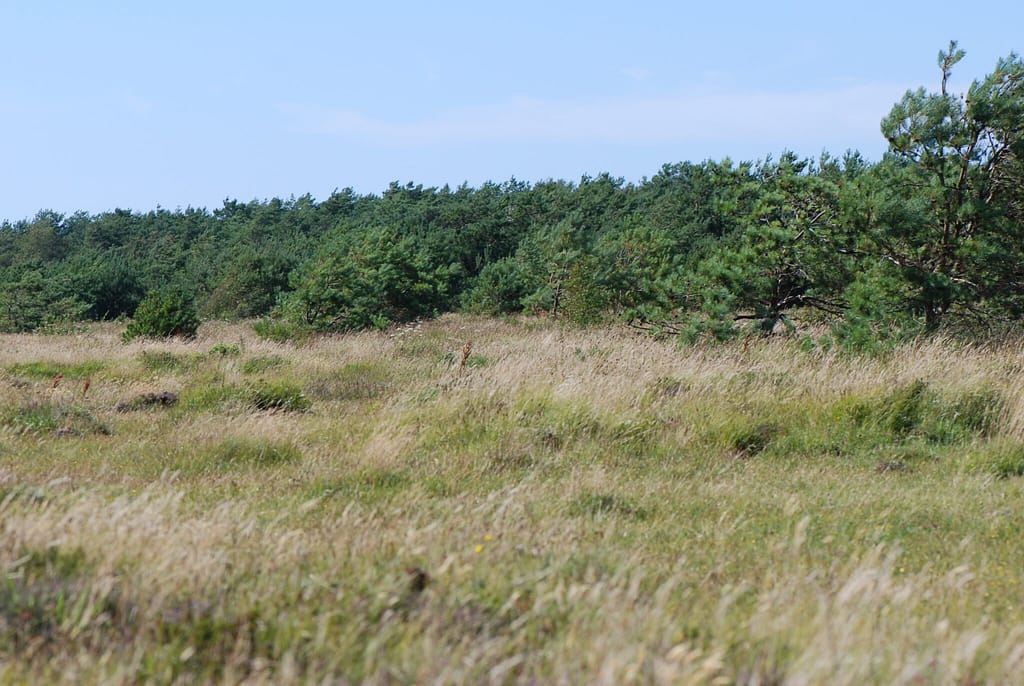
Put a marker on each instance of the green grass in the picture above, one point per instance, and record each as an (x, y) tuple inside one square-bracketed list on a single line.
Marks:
[(278, 396), (236, 454), (354, 381), (38, 416), (256, 365), (577, 506), (47, 370), (162, 361)]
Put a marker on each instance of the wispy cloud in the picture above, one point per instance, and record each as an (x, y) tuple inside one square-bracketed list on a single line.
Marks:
[(848, 112)]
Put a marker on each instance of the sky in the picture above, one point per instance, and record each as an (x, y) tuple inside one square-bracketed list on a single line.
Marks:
[(136, 105)]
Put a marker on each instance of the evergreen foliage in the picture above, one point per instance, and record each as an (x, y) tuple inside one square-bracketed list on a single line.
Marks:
[(163, 314), (929, 237)]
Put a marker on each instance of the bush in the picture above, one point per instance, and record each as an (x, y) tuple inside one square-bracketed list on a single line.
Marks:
[(499, 289), (163, 314), (587, 300), (370, 281)]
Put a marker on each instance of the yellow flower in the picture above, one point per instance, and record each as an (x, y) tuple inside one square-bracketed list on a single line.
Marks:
[(487, 537), (478, 548)]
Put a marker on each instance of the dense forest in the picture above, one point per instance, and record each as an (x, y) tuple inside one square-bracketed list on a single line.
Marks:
[(931, 236)]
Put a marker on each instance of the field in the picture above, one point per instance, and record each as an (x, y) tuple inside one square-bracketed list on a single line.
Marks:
[(472, 500)]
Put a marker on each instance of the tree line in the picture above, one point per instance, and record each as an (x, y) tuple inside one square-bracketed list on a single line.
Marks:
[(930, 236)]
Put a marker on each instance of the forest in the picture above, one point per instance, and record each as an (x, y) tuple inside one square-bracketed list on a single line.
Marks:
[(857, 252)]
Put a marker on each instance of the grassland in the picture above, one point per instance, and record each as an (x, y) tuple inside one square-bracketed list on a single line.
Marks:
[(545, 506)]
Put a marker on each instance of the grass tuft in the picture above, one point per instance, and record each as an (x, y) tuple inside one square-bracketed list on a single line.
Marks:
[(591, 504), (224, 350), (354, 381), (163, 361), (49, 370), (278, 395), (256, 365), (369, 486), (38, 416)]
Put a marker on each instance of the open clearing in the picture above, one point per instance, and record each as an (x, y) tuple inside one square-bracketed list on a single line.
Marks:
[(546, 505)]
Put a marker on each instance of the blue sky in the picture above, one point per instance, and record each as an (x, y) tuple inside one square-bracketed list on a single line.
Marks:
[(120, 104)]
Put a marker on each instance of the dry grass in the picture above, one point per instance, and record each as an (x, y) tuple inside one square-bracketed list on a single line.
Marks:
[(588, 506)]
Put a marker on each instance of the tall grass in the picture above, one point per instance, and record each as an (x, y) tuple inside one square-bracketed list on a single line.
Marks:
[(586, 507)]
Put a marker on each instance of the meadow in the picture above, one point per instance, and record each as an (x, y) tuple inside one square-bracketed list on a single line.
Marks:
[(475, 500)]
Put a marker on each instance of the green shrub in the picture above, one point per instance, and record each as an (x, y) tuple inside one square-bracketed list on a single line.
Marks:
[(163, 314), (370, 279), (587, 300), (500, 288)]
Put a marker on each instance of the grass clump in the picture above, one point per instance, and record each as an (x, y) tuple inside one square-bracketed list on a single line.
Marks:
[(902, 458), (1008, 463), (1002, 459), (51, 602), (255, 365), (49, 370), (278, 395), (918, 410), (281, 331), (38, 416), (354, 381), (593, 504), (32, 416), (746, 439), (368, 485), (41, 591), (163, 361), (211, 394), (214, 392), (224, 350), (238, 452), (903, 410)]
